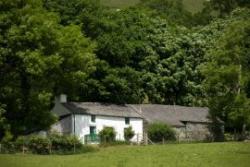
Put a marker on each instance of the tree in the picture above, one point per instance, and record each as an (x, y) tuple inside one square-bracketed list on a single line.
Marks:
[(227, 74), (39, 59), (107, 135), (225, 7), (172, 10), (128, 133), (159, 131)]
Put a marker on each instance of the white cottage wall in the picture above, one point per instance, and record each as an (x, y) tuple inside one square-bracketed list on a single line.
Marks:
[(83, 123)]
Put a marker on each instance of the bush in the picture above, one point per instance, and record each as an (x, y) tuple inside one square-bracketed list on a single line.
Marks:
[(39, 145), (65, 144), (107, 135), (160, 131), (128, 133), (53, 144), (22, 143), (8, 147)]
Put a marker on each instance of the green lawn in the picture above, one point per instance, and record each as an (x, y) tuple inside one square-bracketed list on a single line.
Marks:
[(172, 155)]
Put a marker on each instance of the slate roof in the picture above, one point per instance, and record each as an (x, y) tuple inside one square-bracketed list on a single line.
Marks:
[(173, 115), (95, 108)]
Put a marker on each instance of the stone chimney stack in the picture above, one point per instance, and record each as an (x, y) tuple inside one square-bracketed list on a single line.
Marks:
[(63, 98)]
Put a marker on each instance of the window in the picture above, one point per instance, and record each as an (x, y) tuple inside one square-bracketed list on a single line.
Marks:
[(127, 121), (92, 118)]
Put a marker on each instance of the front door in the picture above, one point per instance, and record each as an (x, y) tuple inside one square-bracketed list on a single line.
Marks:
[(92, 134), (92, 130)]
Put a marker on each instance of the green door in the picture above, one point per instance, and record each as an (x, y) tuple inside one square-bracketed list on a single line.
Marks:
[(92, 130)]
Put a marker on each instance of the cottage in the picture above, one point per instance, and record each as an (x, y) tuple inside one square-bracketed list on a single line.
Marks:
[(87, 119)]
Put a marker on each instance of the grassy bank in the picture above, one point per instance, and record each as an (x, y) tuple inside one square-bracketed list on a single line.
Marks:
[(171, 155)]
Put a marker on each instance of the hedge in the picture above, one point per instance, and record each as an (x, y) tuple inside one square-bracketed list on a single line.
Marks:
[(52, 144)]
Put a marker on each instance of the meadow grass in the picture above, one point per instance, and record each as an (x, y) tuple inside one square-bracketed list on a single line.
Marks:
[(170, 155)]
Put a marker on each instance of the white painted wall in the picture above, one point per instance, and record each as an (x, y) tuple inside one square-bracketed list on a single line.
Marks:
[(83, 122)]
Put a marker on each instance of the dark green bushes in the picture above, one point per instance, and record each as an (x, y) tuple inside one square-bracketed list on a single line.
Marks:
[(128, 133), (158, 132), (107, 135)]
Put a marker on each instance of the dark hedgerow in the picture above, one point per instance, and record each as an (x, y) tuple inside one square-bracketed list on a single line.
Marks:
[(66, 144), (39, 145), (159, 131), (52, 144)]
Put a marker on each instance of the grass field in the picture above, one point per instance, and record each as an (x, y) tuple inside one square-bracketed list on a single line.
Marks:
[(171, 155), (191, 5)]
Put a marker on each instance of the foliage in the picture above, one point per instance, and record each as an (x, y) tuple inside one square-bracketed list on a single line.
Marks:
[(39, 59), (53, 144), (39, 145), (64, 144), (128, 133), (149, 53), (159, 131), (173, 10), (229, 98), (107, 135), (224, 7)]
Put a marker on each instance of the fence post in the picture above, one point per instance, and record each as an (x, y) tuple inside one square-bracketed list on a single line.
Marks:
[(163, 141), (23, 147), (146, 139), (74, 147), (0, 148), (50, 147)]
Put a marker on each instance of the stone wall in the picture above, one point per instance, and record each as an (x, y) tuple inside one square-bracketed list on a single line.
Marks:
[(193, 131)]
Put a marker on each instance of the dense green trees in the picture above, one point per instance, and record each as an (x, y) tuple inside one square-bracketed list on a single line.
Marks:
[(155, 52), (39, 59), (227, 74)]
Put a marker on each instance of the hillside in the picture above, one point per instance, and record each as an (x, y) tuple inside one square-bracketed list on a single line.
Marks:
[(191, 5)]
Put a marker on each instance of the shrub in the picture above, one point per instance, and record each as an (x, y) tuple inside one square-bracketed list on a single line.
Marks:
[(39, 145), (128, 133), (54, 143), (8, 147), (64, 144), (160, 131), (107, 135), (22, 144)]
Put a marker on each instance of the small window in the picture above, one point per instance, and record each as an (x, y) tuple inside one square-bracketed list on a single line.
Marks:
[(127, 121), (92, 118)]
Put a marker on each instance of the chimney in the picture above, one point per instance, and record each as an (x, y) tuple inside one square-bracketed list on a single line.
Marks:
[(63, 98), (140, 111)]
